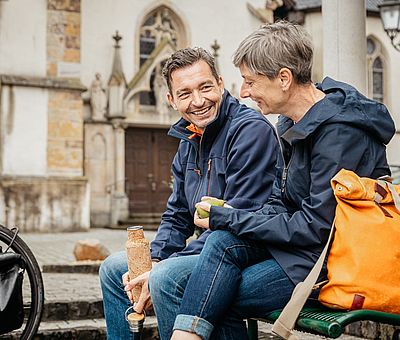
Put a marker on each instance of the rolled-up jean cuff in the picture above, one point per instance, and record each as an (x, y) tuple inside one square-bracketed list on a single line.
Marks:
[(194, 324)]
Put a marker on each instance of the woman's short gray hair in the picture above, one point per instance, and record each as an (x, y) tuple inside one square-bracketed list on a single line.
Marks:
[(274, 46)]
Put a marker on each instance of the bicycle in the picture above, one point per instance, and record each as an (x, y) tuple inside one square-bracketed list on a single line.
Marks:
[(33, 290)]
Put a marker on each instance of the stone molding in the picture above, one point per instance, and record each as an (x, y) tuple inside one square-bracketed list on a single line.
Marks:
[(36, 179), (43, 82)]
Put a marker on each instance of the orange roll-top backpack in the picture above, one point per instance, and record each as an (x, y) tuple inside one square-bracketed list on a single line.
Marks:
[(364, 258)]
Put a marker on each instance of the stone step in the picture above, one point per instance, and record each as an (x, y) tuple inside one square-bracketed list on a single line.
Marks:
[(148, 221), (90, 329), (73, 310), (72, 296)]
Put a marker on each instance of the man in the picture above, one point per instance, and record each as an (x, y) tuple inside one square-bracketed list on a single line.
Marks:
[(227, 150)]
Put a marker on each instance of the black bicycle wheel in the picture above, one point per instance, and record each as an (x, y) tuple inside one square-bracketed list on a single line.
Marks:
[(33, 284)]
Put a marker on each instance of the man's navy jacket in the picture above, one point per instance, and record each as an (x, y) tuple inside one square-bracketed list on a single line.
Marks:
[(233, 160)]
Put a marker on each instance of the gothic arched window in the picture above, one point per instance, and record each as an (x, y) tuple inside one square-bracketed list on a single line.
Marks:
[(161, 23), (377, 79), (376, 70)]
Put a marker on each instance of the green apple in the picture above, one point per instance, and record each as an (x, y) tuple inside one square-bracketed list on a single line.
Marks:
[(213, 201)]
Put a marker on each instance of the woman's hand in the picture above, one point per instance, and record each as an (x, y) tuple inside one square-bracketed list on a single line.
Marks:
[(204, 223), (207, 198)]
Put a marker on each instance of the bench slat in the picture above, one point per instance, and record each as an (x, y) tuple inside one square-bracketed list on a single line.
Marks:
[(330, 322)]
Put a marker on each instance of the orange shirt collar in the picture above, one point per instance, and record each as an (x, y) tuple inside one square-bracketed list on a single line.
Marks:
[(195, 130)]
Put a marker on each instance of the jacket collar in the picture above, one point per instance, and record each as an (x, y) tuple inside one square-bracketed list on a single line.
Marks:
[(320, 112)]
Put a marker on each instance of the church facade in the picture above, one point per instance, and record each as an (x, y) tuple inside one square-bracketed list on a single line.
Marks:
[(83, 115)]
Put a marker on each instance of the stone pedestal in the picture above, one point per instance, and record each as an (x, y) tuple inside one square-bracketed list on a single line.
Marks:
[(119, 201), (119, 208)]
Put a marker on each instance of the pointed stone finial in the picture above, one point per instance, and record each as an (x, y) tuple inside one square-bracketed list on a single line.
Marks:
[(116, 38), (117, 74), (215, 48)]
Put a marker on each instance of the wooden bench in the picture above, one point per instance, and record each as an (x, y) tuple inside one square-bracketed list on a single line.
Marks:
[(328, 322)]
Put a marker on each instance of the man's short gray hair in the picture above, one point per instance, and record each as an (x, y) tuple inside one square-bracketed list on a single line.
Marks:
[(187, 57), (274, 46)]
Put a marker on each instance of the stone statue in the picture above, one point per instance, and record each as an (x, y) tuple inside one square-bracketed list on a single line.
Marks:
[(98, 98), (160, 93), (265, 14), (271, 6)]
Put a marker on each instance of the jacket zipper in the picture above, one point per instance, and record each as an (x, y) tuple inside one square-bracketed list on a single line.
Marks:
[(285, 174), (209, 177), (198, 171)]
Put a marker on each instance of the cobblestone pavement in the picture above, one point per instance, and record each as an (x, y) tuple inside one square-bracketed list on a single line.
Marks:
[(61, 287), (57, 248)]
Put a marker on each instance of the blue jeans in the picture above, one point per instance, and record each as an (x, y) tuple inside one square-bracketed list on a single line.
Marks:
[(115, 300), (210, 294)]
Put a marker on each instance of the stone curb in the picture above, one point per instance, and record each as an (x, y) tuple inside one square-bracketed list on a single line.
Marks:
[(76, 267)]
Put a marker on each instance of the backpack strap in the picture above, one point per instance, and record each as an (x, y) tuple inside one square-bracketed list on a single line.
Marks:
[(395, 195), (284, 325)]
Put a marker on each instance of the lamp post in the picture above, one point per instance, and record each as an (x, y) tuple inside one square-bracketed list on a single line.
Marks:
[(390, 16)]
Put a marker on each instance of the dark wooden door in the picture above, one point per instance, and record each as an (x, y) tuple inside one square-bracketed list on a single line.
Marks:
[(148, 157)]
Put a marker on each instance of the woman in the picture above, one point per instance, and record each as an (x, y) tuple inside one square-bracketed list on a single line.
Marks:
[(252, 260)]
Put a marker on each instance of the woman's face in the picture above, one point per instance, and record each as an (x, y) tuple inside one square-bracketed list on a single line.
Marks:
[(268, 94)]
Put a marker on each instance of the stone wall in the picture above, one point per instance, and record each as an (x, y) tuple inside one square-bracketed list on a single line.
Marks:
[(41, 150), (44, 204), (65, 133), (63, 37), (371, 330), (65, 108)]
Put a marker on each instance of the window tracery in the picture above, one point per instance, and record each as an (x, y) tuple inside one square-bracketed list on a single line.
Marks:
[(159, 24)]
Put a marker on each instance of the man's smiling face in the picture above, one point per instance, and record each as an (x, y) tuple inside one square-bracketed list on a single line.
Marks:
[(196, 94)]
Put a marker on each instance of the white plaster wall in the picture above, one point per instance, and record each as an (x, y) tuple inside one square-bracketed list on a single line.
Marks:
[(206, 20), (226, 21), (23, 37), (24, 130)]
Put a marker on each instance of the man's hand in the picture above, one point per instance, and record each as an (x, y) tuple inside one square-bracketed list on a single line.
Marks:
[(144, 302), (202, 222), (125, 280)]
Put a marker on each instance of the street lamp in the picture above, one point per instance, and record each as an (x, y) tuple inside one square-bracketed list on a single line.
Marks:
[(390, 16)]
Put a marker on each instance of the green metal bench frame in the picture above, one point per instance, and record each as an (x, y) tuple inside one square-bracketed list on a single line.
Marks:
[(328, 322)]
